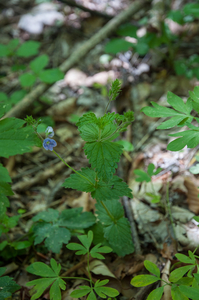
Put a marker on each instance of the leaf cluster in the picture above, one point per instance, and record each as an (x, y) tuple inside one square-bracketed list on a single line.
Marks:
[(55, 229), (181, 287), (8, 286)]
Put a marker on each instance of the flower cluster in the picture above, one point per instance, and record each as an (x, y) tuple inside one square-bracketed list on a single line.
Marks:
[(48, 144)]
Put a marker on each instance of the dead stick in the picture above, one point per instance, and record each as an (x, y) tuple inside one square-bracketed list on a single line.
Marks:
[(78, 54)]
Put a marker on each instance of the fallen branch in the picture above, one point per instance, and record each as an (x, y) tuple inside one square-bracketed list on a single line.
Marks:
[(78, 54)]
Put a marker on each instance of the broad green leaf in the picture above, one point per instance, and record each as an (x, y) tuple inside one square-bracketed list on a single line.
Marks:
[(84, 182), (91, 296), (54, 235), (156, 294), (2, 270), (4, 175), (74, 246), (50, 76), (39, 63), (17, 96), (196, 275), (40, 269), (5, 189), (27, 79), (50, 215), (103, 290), (3, 97), (119, 234), (192, 9), (82, 291), (114, 189), (176, 102), (21, 245), (143, 280), (179, 273), (28, 49), (127, 146), (89, 132), (176, 293), (152, 268), (8, 286), (117, 45), (97, 249), (176, 16), (55, 266), (185, 259), (15, 140), (185, 281), (189, 138), (141, 47), (40, 285), (171, 122), (74, 219), (87, 118), (103, 157), (190, 292), (4, 51), (86, 240), (128, 30), (55, 293)]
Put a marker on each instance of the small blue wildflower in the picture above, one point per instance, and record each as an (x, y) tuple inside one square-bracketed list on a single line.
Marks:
[(49, 131), (48, 144)]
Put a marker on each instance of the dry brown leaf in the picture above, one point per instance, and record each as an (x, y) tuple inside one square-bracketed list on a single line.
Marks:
[(99, 268), (192, 186), (165, 276)]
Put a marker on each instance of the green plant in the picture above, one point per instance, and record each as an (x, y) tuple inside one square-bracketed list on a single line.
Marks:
[(181, 287), (8, 286), (50, 275)]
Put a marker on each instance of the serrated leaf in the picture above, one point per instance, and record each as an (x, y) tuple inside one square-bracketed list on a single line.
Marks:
[(114, 207), (152, 268), (15, 140), (40, 285), (27, 79), (50, 215), (2, 270), (179, 273), (28, 49), (89, 132), (143, 280), (8, 286), (54, 235), (87, 118), (50, 76), (39, 63), (176, 293), (185, 259), (156, 294), (85, 183), (114, 189), (41, 269), (103, 157)]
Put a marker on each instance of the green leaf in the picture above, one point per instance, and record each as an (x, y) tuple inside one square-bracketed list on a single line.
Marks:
[(191, 9), (51, 215), (74, 218), (189, 138), (194, 169), (84, 182), (179, 273), (87, 118), (103, 290), (4, 175), (159, 111), (41, 269), (39, 63), (89, 132), (128, 30), (196, 275), (116, 212), (28, 49), (40, 285), (143, 176), (176, 102), (55, 266), (2, 270), (55, 293), (176, 16), (114, 189), (3, 97), (50, 76), (5, 189), (86, 240), (8, 286), (171, 122), (16, 140), (156, 294), (127, 146), (152, 268), (27, 79), (176, 293), (74, 246), (103, 157), (21, 245), (185, 259), (54, 235), (97, 249), (143, 280), (117, 45), (190, 292), (17, 96), (82, 291)]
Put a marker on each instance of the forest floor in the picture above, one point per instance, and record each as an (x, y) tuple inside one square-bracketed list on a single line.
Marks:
[(63, 29)]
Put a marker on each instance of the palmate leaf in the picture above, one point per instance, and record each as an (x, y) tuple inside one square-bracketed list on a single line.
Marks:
[(15, 139), (188, 137), (8, 286), (103, 157)]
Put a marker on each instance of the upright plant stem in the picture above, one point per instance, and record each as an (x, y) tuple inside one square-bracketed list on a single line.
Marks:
[(89, 273), (169, 210)]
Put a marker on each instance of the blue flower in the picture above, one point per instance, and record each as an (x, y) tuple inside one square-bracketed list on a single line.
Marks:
[(49, 131), (48, 144)]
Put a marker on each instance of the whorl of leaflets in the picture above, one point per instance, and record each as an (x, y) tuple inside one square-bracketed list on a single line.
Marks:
[(48, 143)]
